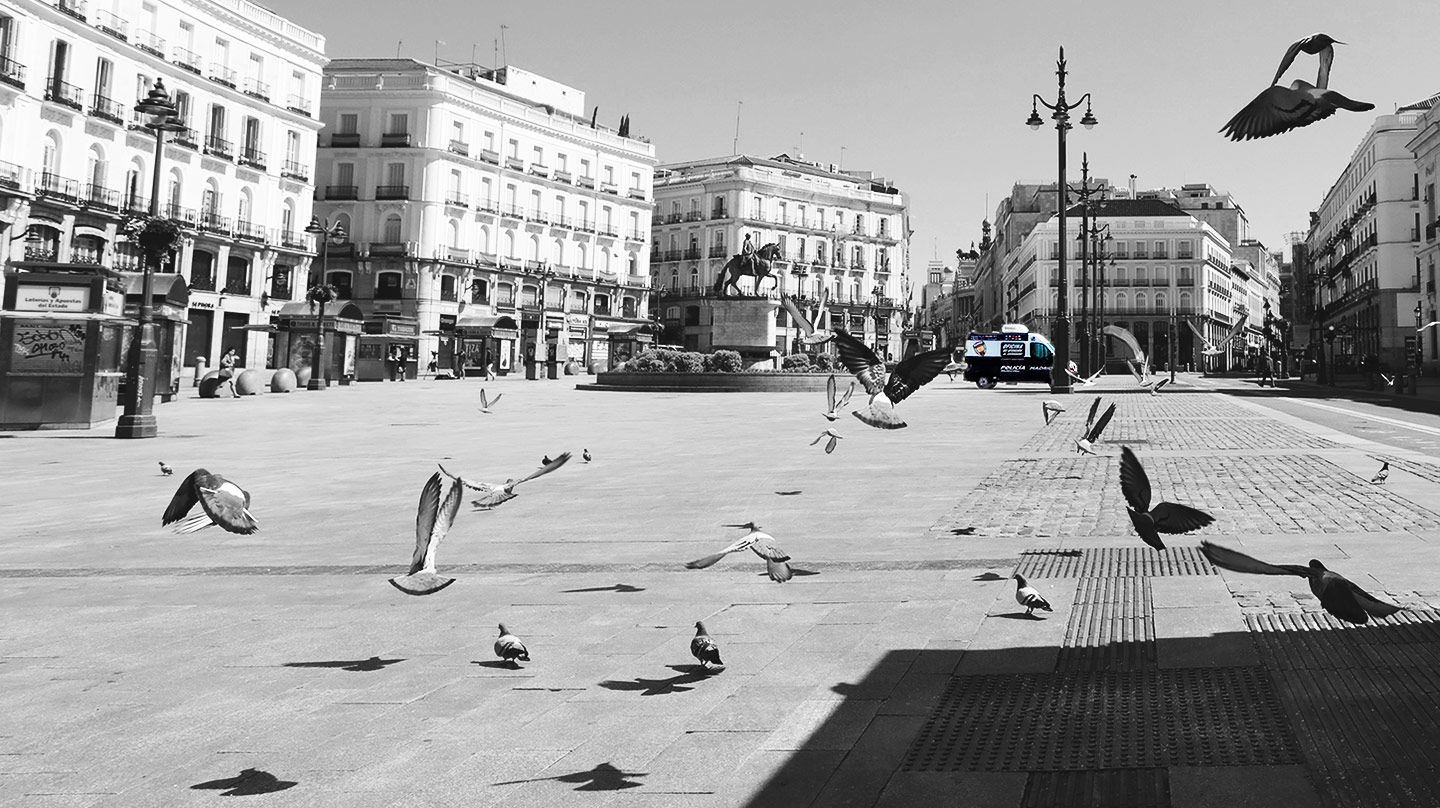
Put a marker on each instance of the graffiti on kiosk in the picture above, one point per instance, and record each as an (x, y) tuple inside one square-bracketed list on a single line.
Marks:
[(49, 348)]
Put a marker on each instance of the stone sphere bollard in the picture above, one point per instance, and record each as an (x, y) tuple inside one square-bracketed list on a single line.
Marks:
[(597, 366), (210, 384), (283, 381), (249, 383), (572, 367), (302, 376)]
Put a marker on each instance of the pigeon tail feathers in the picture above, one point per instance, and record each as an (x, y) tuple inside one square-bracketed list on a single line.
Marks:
[(421, 583)]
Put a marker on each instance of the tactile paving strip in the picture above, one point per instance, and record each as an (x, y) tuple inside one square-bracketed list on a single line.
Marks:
[(1258, 494), (1177, 434), (1113, 562), (1111, 628), (1425, 471), (1115, 720), (1362, 700), (1125, 788)]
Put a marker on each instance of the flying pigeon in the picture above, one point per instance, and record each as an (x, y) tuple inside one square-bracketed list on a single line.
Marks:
[(1383, 474), (1073, 371), (1277, 109), (703, 647), (1338, 595), (885, 392), (834, 439), (1157, 386), (1388, 379), (762, 544), (545, 461), (1167, 517), (1051, 408), (1029, 597), (495, 494), (509, 648), (811, 334), (166, 470), (486, 403), (432, 521), (836, 404), (1428, 325), (222, 503), (1142, 375), (1085, 444), (1209, 348), (585, 455)]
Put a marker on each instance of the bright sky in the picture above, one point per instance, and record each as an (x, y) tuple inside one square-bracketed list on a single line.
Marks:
[(933, 95)]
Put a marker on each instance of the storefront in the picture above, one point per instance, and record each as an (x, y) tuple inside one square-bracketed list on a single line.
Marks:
[(63, 334), (295, 340), (169, 298), (628, 340), (481, 340), (381, 337)]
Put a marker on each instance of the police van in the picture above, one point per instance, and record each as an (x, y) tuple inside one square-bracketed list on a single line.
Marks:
[(1013, 355)]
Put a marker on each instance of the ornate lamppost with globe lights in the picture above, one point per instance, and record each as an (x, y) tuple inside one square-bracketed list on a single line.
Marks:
[(157, 237), (1060, 113), (321, 293)]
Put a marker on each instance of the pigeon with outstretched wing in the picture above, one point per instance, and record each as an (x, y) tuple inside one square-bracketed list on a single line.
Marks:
[(836, 403), (493, 495), (1278, 109), (221, 502), (486, 403), (887, 391), (759, 542), (1085, 444), (1167, 517), (1337, 594), (438, 507), (811, 334)]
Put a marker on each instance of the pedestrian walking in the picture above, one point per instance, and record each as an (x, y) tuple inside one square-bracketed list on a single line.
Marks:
[(227, 371), (397, 363), (490, 372)]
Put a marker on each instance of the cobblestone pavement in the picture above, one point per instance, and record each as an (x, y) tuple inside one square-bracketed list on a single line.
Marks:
[(142, 668)]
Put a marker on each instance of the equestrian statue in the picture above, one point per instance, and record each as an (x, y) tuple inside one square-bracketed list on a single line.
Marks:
[(752, 262)]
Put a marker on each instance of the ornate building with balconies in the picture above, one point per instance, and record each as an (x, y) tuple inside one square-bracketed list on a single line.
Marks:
[(842, 231), (1361, 247), (486, 205), (76, 160), (1425, 232)]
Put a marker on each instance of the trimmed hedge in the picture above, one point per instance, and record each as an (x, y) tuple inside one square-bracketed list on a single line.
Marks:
[(664, 360)]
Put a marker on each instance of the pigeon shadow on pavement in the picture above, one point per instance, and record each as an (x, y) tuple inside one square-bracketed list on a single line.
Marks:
[(796, 571), (1018, 616), (689, 675), (374, 663), (247, 783), (498, 664), (989, 576), (626, 588), (604, 777)]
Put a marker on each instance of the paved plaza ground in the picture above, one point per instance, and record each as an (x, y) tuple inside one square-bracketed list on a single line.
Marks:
[(143, 668)]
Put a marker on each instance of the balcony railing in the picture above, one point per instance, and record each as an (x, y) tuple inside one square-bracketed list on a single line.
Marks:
[(392, 192), (562, 176), (694, 216), (149, 42), (98, 196), (212, 222), (256, 88), (719, 252), (389, 293), (186, 137), (294, 239), (609, 188), (636, 193), (237, 286), (102, 107), (459, 147), (220, 74), (392, 248), (635, 235), (295, 171), (559, 220), (458, 254), (488, 156), (218, 147), (395, 139), (183, 214), (253, 158), (54, 186), (11, 176), (12, 72), (515, 163), (585, 182), (457, 199), (75, 8), (585, 225), (537, 215), (345, 140), (539, 170), (65, 93), (298, 103), (135, 204), (512, 211), (487, 205), (249, 231), (692, 254), (112, 25)]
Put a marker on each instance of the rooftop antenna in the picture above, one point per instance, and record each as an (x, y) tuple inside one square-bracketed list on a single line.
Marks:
[(398, 43), (503, 55), (735, 144), (438, 43), (1132, 186), (842, 158), (800, 147)]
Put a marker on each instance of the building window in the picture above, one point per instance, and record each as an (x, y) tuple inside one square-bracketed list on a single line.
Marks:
[(349, 123), (343, 281), (393, 234), (388, 286), (479, 291), (447, 288), (399, 124)]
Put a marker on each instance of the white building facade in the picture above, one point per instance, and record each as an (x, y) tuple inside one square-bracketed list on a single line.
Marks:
[(484, 205), (842, 231), (75, 161), (1425, 145)]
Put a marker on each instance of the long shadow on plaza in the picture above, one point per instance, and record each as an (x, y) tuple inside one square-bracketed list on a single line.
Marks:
[(374, 663), (1296, 711), (685, 675), (247, 783)]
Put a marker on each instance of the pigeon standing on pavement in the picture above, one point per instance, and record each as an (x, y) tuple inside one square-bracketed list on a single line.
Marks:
[(433, 519), (1029, 597), (834, 439), (585, 455), (704, 648), (509, 648), (1085, 444), (1383, 474), (1050, 408), (166, 470), (1337, 594), (221, 503), (486, 403), (495, 494), (759, 542), (1167, 517), (887, 391), (836, 403)]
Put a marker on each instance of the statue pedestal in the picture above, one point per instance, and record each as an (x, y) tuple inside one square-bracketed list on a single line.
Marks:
[(745, 325)]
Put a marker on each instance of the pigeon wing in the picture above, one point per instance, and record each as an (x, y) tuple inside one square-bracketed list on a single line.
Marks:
[(1145, 526), (493, 495), (913, 373), (1337, 595), (1236, 561), (740, 544), (484, 401), (776, 561), (496, 400), (830, 393), (1173, 518), (1372, 604), (800, 321), (1094, 434), (1198, 333), (1094, 408), (1134, 482), (1289, 57), (426, 518), (860, 361), (226, 504), (845, 399), (546, 469), (1274, 111), (1345, 103), (185, 497), (483, 488), (1126, 337)]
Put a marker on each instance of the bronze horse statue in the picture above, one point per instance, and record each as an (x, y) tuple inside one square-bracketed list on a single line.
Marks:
[(757, 266)]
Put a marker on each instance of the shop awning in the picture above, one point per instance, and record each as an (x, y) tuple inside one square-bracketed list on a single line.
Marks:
[(301, 308), (69, 316), (487, 325), (167, 286), (631, 329)]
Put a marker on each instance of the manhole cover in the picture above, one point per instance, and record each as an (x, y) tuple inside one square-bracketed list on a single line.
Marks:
[(1115, 720), (1113, 562)]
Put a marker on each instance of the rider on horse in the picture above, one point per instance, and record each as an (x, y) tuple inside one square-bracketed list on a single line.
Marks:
[(747, 255)]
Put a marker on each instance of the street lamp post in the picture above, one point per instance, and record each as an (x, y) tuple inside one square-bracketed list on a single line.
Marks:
[(1059, 379), (138, 419), (320, 294)]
